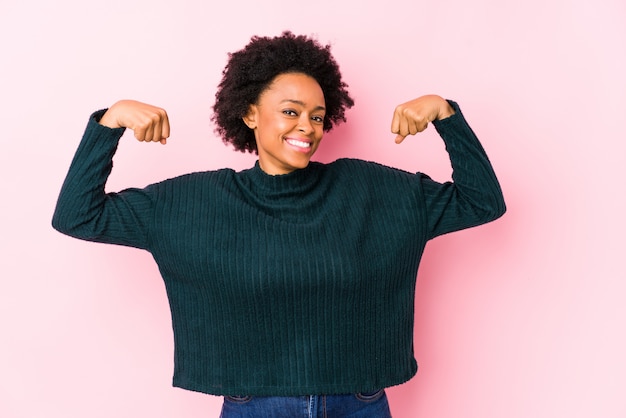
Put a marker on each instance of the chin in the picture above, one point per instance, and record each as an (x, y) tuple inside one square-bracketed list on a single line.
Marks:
[(299, 163), (302, 164)]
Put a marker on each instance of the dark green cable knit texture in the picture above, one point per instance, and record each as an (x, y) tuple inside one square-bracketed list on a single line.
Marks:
[(286, 285)]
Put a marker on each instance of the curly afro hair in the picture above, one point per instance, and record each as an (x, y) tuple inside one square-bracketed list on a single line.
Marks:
[(251, 70)]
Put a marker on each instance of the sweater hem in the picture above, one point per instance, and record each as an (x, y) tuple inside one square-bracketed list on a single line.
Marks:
[(337, 389)]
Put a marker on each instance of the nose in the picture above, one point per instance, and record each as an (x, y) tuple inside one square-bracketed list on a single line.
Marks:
[(304, 124)]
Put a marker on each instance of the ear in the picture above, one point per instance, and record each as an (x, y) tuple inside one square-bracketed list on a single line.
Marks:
[(250, 118)]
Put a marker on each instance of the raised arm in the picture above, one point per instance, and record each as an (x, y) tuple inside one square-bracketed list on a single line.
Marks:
[(474, 196), (83, 209)]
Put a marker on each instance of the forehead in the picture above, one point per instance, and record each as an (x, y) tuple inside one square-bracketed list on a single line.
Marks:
[(294, 86)]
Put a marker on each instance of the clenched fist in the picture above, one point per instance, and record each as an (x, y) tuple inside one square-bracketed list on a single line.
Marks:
[(148, 123), (414, 116)]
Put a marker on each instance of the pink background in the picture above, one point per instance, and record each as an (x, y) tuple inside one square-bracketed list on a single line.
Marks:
[(524, 317)]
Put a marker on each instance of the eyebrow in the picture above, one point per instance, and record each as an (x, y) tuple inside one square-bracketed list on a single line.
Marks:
[(301, 103)]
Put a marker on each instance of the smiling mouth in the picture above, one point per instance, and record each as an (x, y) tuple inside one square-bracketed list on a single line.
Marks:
[(304, 145)]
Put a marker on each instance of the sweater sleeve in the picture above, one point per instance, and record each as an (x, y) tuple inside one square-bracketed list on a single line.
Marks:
[(83, 208), (474, 196)]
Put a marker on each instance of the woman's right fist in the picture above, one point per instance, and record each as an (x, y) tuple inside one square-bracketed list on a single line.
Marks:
[(148, 123)]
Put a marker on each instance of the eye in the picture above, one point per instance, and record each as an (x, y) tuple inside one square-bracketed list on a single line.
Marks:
[(290, 112), (318, 119)]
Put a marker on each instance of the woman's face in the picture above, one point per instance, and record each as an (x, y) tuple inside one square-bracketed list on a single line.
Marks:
[(288, 121)]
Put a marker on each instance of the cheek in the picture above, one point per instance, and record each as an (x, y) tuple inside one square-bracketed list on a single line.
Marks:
[(319, 133), (281, 127), (319, 140)]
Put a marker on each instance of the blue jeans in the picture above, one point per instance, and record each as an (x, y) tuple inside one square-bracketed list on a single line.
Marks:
[(360, 405)]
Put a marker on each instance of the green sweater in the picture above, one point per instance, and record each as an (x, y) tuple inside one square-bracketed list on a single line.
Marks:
[(285, 285)]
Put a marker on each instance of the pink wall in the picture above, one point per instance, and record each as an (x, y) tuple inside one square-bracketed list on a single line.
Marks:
[(520, 318)]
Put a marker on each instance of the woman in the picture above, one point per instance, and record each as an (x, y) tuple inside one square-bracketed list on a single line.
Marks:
[(291, 284)]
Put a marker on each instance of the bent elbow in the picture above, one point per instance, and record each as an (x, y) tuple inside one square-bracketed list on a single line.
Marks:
[(64, 225), (69, 223), (59, 223), (496, 209)]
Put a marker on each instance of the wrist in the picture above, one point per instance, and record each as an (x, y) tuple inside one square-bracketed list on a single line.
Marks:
[(109, 120), (445, 110)]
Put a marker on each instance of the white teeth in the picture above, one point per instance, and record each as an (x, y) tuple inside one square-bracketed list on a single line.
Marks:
[(300, 144)]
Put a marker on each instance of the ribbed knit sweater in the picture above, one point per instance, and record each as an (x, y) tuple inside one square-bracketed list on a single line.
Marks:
[(296, 284)]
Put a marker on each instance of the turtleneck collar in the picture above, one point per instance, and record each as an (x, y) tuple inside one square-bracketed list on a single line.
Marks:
[(297, 182), (286, 195)]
